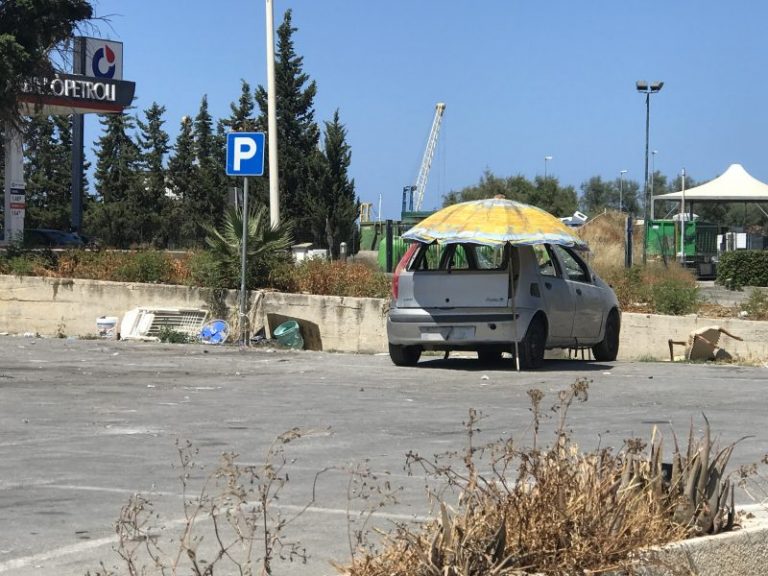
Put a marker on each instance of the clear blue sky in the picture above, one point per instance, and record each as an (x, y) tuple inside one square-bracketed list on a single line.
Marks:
[(521, 79)]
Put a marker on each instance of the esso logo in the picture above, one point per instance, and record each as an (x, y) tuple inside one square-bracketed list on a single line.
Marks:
[(103, 62)]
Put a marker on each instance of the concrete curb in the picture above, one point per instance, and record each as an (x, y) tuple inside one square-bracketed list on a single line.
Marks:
[(737, 553)]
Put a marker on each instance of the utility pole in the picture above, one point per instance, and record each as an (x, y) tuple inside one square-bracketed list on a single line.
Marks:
[(274, 182), (644, 88)]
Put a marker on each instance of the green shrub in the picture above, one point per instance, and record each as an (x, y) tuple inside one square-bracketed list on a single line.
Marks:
[(743, 268), (266, 247), (28, 263), (22, 266), (757, 304), (150, 266), (203, 270), (663, 289), (675, 297), (168, 335)]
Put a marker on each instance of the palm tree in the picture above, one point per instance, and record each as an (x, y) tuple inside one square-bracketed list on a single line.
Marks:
[(264, 245)]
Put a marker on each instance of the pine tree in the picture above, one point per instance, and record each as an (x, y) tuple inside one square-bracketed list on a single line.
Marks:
[(210, 198), (47, 171), (117, 182), (150, 201), (242, 119), (333, 217), (183, 182), (39, 171), (298, 133), (117, 158)]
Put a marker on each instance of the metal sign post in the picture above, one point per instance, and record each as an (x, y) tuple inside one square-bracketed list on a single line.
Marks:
[(245, 157), (243, 247)]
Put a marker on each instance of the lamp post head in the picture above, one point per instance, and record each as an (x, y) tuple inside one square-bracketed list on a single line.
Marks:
[(645, 88), (622, 172), (547, 157)]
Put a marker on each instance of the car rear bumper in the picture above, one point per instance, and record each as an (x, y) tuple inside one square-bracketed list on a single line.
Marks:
[(456, 328)]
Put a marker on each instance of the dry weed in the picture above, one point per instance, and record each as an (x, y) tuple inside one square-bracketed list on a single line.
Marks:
[(556, 509), (231, 523)]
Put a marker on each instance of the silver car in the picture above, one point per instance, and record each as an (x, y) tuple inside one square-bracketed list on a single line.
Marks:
[(472, 297)]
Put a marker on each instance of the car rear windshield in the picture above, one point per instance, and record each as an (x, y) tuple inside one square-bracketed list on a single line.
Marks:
[(458, 257)]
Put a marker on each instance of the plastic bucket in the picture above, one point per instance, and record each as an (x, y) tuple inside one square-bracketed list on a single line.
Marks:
[(289, 334), (106, 326)]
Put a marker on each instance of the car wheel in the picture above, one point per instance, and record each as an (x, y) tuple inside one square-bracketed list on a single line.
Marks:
[(489, 355), (608, 349), (533, 345), (404, 355)]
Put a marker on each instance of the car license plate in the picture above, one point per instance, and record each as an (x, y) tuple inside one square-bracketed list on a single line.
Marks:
[(433, 334), (442, 333), (462, 332)]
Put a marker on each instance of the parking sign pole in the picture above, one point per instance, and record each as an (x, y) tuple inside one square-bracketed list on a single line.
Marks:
[(245, 157), (242, 320)]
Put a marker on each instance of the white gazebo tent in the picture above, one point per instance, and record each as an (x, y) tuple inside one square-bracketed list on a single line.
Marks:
[(733, 185)]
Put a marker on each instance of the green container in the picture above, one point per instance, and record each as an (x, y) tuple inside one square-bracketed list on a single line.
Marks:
[(661, 238), (289, 334), (369, 234), (664, 238), (399, 247)]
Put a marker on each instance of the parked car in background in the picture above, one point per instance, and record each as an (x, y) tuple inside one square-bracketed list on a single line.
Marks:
[(470, 297), (48, 238)]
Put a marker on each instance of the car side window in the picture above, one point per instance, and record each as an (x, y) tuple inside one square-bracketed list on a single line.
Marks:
[(544, 259), (575, 269)]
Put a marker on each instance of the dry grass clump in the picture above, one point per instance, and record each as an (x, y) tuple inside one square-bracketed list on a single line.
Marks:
[(556, 509), (232, 523), (334, 278), (605, 235), (312, 276)]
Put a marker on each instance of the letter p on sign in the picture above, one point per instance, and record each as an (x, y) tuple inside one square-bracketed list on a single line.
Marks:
[(245, 154)]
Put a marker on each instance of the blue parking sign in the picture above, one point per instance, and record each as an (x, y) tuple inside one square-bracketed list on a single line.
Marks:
[(245, 154)]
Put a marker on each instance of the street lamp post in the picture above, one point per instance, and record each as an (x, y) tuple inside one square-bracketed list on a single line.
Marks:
[(653, 178), (621, 190), (644, 88), (546, 160)]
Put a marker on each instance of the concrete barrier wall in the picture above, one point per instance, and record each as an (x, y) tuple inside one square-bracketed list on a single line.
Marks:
[(331, 323), (70, 307), (647, 335)]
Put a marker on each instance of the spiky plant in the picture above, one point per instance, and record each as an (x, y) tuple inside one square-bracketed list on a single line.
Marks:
[(264, 245)]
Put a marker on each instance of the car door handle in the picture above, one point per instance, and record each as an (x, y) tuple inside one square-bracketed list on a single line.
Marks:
[(548, 285), (578, 291)]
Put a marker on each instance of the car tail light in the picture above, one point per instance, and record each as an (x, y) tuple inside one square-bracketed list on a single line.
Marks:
[(400, 267)]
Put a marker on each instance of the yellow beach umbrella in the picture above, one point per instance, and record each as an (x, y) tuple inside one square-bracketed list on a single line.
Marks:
[(491, 222)]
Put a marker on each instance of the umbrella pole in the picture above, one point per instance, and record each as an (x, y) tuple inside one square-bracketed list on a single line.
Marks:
[(514, 307)]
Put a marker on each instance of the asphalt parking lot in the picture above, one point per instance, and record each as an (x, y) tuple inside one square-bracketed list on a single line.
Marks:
[(85, 424)]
